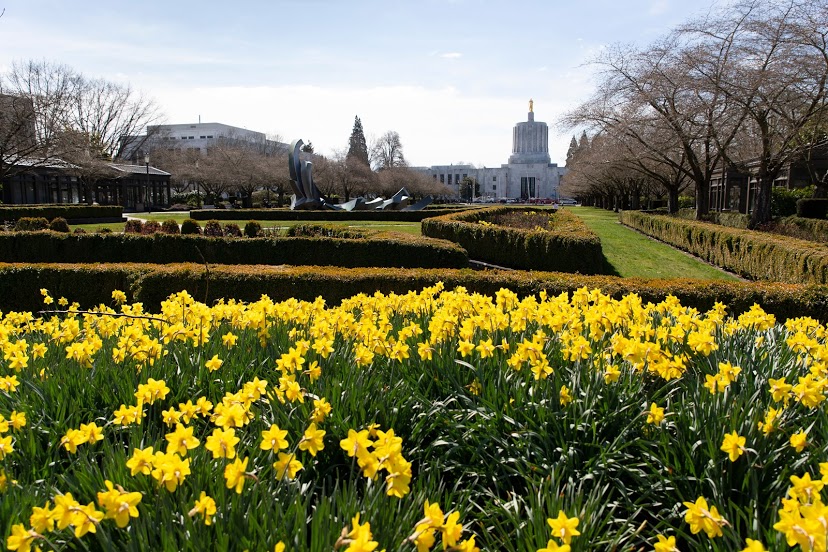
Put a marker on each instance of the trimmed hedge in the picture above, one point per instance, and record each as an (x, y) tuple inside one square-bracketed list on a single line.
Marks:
[(812, 208), (316, 216), (59, 225), (569, 247), (802, 228), (793, 226), (31, 224), (70, 212), (752, 254), (150, 284), (377, 249), (731, 220)]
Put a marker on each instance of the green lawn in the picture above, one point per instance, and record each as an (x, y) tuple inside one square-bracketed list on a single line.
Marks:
[(634, 255), (92, 228), (404, 227)]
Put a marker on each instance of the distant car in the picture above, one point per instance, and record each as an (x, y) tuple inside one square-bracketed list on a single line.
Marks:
[(567, 201)]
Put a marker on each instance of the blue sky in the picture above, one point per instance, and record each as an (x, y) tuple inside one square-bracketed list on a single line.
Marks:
[(451, 76)]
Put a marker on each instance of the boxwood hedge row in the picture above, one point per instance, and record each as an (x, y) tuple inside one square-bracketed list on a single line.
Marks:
[(69, 212), (803, 228), (382, 250), (326, 215), (150, 284), (794, 226), (752, 254), (569, 247)]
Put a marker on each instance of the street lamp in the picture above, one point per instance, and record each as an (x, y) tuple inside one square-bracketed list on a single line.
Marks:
[(146, 191), (198, 185)]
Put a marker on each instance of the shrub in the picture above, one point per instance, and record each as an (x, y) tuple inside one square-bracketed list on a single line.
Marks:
[(812, 208), (189, 200), (320, 216), (252, 229), (783, 200), (67, 211), (79, 231), (729, 219), (686, 202), (169, 226), (59, 224), (190, 226), (133, 226), (213, 229), (151, 227), (104, 230), (31, 224), (396, 250), (802, 228), (753, 254), (568, 245), (232, 230), (92, 284), (321, 231)]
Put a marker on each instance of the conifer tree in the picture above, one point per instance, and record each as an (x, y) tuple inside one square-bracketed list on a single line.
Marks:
[(357, 146), (572, 151)]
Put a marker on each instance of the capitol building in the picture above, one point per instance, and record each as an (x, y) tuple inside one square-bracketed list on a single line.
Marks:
[(528, 174)]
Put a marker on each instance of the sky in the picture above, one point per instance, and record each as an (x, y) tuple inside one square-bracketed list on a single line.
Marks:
[(452, 77)]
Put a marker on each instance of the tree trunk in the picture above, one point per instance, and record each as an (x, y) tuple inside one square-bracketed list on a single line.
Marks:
[(672, 200), (821, 187), (762, 203), (702, 201)]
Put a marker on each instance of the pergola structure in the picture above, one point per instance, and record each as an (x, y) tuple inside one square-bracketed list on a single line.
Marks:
[(134, 187)]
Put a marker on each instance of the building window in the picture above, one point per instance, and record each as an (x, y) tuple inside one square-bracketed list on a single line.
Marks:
[(449, 179), (209, 136), (494, 179), (202, 137), (435, 176), (494, 187), (442, 179), (192, 137)]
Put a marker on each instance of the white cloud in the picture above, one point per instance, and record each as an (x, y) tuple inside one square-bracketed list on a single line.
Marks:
[(437, 126)]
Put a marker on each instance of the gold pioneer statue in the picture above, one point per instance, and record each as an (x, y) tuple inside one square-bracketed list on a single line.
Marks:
[(531, 104)]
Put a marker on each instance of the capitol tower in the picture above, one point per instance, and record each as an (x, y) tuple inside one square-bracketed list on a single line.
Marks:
[(528, 176), (530, 141)]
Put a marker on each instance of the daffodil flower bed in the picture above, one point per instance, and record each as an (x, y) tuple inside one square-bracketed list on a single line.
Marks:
[(436, 420)]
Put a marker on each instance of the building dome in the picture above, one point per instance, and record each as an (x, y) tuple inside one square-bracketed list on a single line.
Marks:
[(530, 141)]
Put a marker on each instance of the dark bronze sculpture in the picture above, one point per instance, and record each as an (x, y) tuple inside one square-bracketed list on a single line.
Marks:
[(307, 196)]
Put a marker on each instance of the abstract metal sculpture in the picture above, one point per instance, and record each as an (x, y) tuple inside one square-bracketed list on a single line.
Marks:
[(307, 196), (305, 193)]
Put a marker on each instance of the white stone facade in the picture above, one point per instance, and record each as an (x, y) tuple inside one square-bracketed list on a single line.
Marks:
[(201, 135), (529, 174)]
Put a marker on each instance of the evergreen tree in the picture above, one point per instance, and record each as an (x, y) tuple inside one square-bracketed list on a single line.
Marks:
[(573, 150), (308, 148), (357, 146)]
